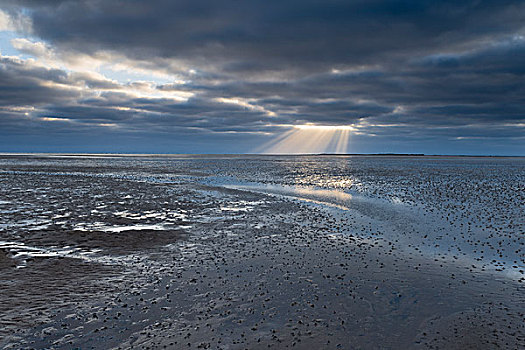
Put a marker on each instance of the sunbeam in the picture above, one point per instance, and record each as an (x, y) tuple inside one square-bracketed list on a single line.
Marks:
[(307, 139)]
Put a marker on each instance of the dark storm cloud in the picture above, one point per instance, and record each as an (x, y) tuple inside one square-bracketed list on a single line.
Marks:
[(405, 69), (23, 85), (249, 36), (53, 93)]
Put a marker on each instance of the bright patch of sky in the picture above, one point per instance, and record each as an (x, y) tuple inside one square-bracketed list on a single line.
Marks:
[(6, 48), (130, 76), (122, 74)]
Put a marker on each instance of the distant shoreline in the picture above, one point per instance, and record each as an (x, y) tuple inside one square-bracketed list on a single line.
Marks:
[(131, 155), (417, 155)]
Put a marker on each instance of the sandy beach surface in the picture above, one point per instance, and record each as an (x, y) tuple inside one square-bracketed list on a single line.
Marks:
[(258, 252)]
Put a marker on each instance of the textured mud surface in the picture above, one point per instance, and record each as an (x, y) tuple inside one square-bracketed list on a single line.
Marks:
[(259, 252)]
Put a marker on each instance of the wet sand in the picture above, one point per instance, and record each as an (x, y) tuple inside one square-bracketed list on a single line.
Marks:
[(116, 258)]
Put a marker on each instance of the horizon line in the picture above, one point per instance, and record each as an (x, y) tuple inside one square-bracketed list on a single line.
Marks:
[(130, 154)]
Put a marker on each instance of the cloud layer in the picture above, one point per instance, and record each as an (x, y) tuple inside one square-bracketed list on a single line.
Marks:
[(208, 76)]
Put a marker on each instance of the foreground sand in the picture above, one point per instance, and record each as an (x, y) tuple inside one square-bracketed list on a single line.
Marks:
[(232, 269)]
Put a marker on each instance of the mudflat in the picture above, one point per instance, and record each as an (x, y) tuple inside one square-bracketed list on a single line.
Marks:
[(235, 252)]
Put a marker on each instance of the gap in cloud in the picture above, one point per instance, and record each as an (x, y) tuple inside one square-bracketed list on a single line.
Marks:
[(107, 65)]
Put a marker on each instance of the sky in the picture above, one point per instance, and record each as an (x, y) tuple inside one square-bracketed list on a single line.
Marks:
[(259, 76)]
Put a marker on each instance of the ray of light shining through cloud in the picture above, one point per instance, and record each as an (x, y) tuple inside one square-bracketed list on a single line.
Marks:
[(310, 139)]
